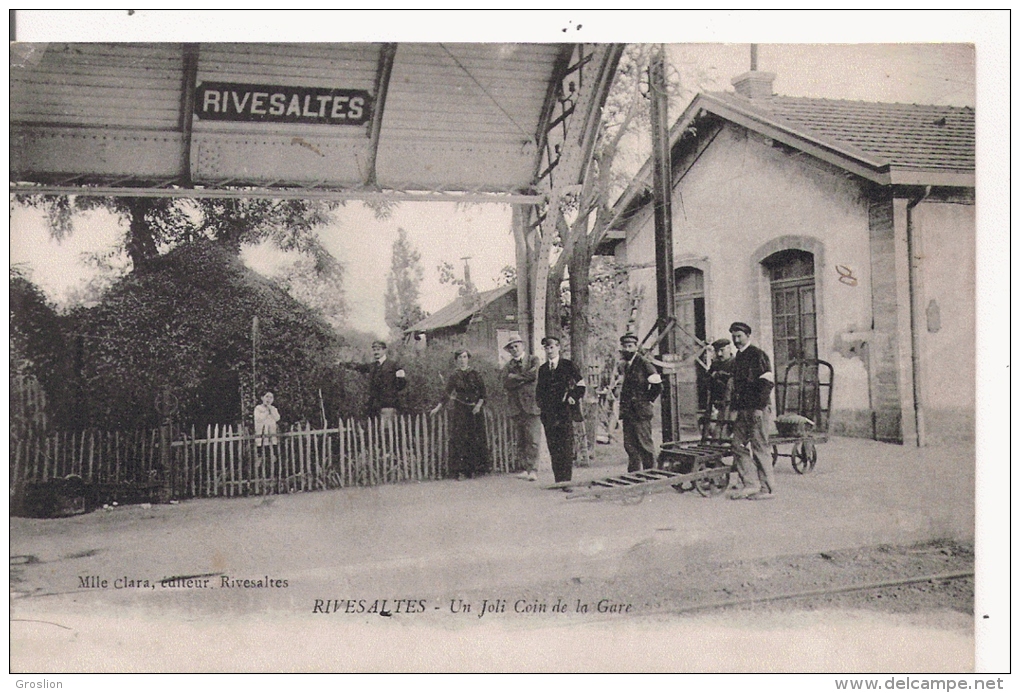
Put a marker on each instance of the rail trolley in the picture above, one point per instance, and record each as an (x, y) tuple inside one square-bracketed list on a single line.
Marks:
[(803, 399)]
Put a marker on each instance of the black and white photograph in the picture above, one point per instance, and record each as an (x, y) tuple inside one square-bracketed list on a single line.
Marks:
[(510, 342)]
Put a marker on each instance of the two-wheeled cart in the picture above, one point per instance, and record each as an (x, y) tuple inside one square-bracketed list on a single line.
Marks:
[(803, 403)]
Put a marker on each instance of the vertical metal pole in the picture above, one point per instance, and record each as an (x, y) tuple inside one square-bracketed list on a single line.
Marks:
[(254, 358), (169, 486), (188, 108), (662, 189), (166, 405), (382, 85)]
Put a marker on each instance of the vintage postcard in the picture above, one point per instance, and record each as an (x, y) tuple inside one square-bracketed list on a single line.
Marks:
[(507, 342)]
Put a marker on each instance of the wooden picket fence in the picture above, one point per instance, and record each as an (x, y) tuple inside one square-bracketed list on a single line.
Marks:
[(98, 457), (230, 461)]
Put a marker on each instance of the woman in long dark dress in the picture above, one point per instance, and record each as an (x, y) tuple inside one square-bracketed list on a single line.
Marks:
[(465, 392)]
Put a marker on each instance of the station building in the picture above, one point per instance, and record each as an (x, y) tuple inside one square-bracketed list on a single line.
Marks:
[(839, 230)]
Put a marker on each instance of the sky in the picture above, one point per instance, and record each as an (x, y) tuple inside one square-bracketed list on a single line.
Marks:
[(939, 73), (438, 230)]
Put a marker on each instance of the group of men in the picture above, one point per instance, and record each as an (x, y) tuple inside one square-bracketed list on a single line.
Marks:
[(547, 396), (740, 401), (540, 396)]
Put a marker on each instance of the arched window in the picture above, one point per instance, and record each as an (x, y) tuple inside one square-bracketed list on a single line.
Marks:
[(792, 280)]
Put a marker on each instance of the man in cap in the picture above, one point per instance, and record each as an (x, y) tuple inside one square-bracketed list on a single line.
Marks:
[(385, 381), (752, 400), (558, 390), (720, 389), (519, 376), (642, 384)]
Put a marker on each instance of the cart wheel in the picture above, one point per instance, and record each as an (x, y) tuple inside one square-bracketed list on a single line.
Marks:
[(711, 486), (775, 455), (803, 456)]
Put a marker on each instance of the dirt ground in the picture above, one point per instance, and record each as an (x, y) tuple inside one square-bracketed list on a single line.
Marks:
[(499, 574)]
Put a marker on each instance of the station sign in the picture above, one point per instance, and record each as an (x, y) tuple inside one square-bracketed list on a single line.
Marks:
[(260, 103)]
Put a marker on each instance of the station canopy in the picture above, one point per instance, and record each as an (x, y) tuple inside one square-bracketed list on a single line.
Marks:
[(354, 120)]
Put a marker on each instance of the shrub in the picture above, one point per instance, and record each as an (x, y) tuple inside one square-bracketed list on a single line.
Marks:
[(185, 324)]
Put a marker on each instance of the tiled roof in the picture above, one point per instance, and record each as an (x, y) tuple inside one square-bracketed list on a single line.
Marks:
[(462, 308), (895, 134)]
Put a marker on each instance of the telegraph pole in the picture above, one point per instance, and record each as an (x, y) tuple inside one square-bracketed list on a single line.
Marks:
[(662, 195)]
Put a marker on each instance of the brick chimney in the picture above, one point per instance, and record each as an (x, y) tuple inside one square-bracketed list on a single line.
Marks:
[(754, 84)]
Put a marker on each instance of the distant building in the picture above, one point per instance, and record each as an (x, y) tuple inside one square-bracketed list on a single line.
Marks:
[(481, 322), (840, 230)]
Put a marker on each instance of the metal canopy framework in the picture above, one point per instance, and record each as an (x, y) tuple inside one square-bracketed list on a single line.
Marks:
[(434, 121), (509, 123)]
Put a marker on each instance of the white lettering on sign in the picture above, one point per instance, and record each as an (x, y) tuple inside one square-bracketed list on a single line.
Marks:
[(239, 107), (257, 106), (212, 101), (277, 102), (338, 107), (323, 100), (282, 104)]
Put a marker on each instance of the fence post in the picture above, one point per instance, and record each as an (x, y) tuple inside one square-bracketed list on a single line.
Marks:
[(167, 490), (166, 405)]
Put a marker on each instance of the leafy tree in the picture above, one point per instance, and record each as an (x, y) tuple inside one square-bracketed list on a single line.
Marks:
[(447, 275), (151, 222), (610, 299), (38, 349), (403, 286), (507, 276), (107, 265), (322, 294), (587, 213), (186, 325), (155, 225), (465, 287)]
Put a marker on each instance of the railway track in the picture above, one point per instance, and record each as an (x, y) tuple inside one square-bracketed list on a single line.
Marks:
[(824, 592)]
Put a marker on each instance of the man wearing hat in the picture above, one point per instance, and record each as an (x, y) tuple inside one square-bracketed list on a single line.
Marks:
[(559, 389), (385, 381), (720, 389), (752, 400), (641, 386), (519, 376)]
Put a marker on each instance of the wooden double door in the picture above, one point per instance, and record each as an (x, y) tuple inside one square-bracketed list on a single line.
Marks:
[(794, 323)]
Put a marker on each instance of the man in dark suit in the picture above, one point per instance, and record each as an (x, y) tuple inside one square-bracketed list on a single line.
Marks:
[(559, 389), (641, 386), (385, 381), (752, 400), (519, 376)]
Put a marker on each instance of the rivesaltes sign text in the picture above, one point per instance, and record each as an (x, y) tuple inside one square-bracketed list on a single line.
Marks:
[(262, 103)]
